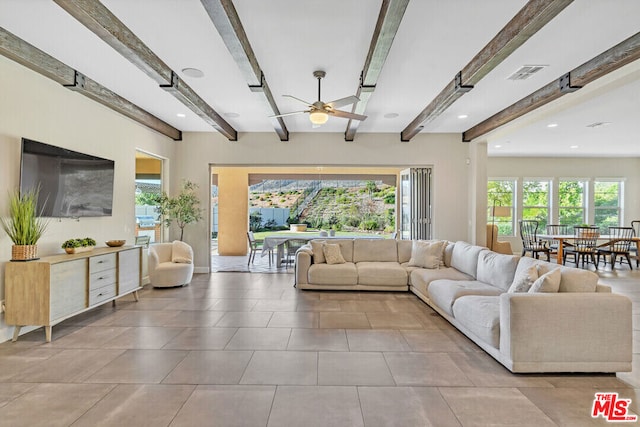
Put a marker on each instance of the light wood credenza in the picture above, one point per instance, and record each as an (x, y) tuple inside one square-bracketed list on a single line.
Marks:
[(54, 288)]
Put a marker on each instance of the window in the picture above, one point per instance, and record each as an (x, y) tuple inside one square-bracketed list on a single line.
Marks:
[(535, 202), (501, 192), (607, 200), (572, 196)]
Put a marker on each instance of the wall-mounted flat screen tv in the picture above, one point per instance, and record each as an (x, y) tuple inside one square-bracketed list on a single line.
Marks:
[(71, 184)]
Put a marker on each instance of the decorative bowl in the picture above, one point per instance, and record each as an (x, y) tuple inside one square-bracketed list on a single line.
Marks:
[(115, 243)]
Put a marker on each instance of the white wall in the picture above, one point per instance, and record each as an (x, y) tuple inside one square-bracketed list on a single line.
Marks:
[(445, 152), (589, 168), (35, 107)]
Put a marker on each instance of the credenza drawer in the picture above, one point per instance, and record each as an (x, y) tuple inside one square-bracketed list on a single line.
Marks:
[(102, 262), (104, 293), (102, 278)]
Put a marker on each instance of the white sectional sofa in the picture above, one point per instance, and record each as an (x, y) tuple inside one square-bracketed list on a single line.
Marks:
[(576, 325)]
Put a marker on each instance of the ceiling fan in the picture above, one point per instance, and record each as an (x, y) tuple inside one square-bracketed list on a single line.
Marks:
[(320, 111)]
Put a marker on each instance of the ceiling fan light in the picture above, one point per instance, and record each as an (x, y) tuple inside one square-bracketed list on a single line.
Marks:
[(318, 117)]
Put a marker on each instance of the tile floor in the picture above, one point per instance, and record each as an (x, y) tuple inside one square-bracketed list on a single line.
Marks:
[(249, 349)]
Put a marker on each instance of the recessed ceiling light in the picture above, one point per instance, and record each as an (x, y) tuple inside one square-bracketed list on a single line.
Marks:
[(391, 115), (552, 125), (192, 72), (463, 116), (497, 146), (574, 146), (181, 115), (231, 115)]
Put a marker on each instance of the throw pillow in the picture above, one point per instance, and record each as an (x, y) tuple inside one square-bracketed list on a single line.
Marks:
[(181, 252), (427, 254), (548, 282), (318, 254), (523, 282), (332, 254)]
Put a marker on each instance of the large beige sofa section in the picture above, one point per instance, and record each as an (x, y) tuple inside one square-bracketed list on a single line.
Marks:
[(581, 328)]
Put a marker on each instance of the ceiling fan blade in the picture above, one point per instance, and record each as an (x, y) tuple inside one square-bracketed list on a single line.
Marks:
[(348, 100), (347, 115), (289, 114), (298, 99)]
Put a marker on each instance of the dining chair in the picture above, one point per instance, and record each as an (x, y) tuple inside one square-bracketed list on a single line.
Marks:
[(291, 247), (584, 246), (558, 229), (634, 246), (620, 246), (530, 241), (255, 246)]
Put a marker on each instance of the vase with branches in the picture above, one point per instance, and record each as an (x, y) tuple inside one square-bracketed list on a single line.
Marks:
[(184, 209)]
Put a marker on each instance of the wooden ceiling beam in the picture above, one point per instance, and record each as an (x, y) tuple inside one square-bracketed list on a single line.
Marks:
[(622, 54), (225, 18), (97, 18), (531, 18), (35, 59), (389, 19)]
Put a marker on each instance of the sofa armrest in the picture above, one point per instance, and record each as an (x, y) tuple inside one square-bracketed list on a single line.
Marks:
[(566, 327), (303, 262)]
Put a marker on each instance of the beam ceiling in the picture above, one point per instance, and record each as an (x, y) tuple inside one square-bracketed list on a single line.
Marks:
[(35, 59), (391, 13), (224, 16), (531, 18), (97, 18), (622, 54)]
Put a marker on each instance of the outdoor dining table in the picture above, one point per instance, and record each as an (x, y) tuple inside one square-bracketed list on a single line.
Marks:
[(279, 240), (561, 238)]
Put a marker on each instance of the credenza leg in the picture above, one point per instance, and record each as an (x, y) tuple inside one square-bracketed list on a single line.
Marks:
[(16, 333), (135, 295), (47, 333)]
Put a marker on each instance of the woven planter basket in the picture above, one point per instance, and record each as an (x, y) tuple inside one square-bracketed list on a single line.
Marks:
[(24, 252)]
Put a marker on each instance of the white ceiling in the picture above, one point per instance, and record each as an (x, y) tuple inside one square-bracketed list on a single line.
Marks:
[(292, 38)]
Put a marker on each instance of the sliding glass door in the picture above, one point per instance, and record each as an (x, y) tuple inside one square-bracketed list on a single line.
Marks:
[(415, 204)]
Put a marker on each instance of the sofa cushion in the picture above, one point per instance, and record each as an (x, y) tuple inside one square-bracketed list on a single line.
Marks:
[(444, 293), (318, 253), (448, 253), (336, 274), (332, 254), (465, 257), (523, 279), (427, 254), (381, 274), (404, 250), (384, 250), (346, 248), (421, 278), (481, 316), (497, 269), (548, 282), (573, 279)]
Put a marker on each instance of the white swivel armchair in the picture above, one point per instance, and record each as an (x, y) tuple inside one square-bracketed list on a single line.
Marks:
[(170, 264)]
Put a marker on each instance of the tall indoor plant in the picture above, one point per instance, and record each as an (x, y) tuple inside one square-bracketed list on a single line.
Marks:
[(24, 225), (183, 209)]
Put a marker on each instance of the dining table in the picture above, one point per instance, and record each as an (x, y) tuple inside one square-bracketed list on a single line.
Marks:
[(602, 239), (277, 241)]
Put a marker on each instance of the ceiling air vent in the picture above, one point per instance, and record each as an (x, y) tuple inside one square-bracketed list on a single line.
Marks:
[(525, 72)]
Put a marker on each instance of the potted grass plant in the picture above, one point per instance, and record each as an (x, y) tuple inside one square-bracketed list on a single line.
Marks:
[(25, 225)]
